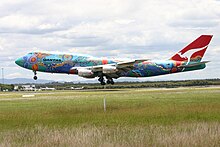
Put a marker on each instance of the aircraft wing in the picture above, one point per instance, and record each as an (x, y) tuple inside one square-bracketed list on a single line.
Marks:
[(111, 70), (119, 65), (129, 63)]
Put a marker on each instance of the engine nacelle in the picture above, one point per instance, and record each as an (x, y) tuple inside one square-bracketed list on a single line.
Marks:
[(107, 69), (86, 73)]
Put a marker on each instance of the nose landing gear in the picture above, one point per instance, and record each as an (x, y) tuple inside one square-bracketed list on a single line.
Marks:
[(35, 77)]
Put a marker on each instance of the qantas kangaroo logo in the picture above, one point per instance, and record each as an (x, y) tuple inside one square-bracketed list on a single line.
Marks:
[(188, 55)]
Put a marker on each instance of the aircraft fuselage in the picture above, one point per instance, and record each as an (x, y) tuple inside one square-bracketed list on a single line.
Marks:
[(63, 63)]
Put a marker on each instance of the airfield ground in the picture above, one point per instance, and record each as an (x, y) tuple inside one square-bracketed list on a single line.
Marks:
[(134, 117)]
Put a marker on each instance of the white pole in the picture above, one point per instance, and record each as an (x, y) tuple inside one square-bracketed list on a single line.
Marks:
[(104, 102), (3, 76)]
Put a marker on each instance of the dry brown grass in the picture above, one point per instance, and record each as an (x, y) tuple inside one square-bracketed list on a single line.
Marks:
[(192, 134)]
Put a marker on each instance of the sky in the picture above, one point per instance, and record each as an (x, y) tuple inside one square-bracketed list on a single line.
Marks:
[(136, 29)]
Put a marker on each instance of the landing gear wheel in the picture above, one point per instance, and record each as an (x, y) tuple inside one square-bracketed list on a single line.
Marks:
[(35, 77), (110, 81), (101, 80)]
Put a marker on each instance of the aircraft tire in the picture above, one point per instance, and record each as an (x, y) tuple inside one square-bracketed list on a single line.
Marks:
[(108, 82), (35, 77)]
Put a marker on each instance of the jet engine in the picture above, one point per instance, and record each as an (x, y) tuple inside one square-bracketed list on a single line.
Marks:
[(109, 69), (86, 73)]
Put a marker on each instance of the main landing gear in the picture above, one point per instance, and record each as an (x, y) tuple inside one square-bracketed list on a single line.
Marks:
[(102, 80), (109, 80), (35, 77)]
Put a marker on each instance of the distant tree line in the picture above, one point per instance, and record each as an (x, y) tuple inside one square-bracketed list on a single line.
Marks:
[(147, 84), (118, 85), (6, 87)]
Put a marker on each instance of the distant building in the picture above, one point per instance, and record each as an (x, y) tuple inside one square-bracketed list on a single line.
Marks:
[(16, 88), (77, 88), (27, 88), (47, 89)]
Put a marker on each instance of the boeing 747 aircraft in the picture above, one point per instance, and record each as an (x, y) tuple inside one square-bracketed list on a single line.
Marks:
[(187, 59)]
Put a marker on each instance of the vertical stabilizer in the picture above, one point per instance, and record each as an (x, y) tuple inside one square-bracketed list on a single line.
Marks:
[(194, 51)]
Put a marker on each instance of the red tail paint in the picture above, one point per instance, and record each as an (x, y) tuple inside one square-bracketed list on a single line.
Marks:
[(194, 51)]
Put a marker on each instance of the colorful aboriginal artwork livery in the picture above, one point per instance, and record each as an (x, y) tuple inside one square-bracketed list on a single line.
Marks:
[(187, 59), (56, 63)]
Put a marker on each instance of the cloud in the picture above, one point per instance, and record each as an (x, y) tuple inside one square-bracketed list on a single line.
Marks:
[(195, 24), (197, 15)]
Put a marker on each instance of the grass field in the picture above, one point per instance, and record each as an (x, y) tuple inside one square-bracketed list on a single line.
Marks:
[(134, 117)]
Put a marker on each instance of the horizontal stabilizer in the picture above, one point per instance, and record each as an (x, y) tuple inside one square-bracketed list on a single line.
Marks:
[(193, 65)]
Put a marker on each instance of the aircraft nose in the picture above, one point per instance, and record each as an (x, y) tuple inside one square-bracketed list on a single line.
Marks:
[(19, 61)]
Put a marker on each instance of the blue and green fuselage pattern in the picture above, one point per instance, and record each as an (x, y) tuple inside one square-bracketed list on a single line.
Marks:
[(63, 63)]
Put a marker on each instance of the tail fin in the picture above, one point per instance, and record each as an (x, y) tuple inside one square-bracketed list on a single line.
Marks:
[(194, 51)]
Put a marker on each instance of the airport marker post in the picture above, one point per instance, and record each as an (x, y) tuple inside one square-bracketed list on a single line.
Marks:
[(104, 104)]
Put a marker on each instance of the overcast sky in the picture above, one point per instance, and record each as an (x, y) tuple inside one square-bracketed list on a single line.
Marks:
[(152, 29)]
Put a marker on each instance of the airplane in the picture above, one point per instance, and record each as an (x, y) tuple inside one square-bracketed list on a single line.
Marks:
[(187, 59)]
